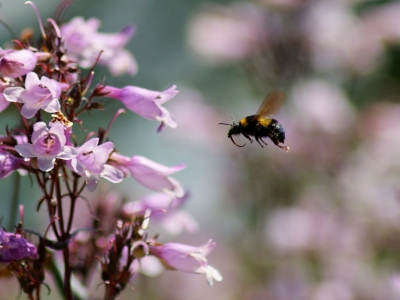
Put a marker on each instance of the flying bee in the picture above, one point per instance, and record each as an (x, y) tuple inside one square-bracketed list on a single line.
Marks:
[(261, 124)]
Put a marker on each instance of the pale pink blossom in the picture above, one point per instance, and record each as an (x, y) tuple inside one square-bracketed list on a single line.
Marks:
[(91, 162), (38, 94), (47, 145)]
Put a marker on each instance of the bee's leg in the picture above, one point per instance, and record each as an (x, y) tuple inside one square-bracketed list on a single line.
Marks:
[(281, 146), (263, 141), (258, 140), (247, 137)]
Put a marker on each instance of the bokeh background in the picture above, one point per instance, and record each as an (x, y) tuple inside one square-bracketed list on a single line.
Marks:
[(321, 222)]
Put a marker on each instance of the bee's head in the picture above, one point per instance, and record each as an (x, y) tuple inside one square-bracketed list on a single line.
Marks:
[(235, 129)]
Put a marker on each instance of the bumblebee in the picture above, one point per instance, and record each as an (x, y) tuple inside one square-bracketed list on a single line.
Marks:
[(261, 124)]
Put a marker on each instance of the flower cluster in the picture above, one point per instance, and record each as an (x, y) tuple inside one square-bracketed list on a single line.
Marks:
[(46, 82), (15, 247)]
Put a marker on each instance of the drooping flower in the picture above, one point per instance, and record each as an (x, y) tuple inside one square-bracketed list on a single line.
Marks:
[(91, 163), (150, 174), (47, 145), (164, 210), (84, 44), (38, 94), (146, 103), (15, 247), (17, 63), (187, 258)]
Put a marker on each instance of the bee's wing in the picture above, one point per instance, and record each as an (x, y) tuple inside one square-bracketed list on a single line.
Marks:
[(272, 103)]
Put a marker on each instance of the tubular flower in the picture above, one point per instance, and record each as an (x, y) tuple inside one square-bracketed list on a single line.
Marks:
[(91, 163), (150, 174), (145, 103), (8, 164), (15, 247), (38, 94), (17, 63), (84, 44), (47, 145), (187, 258)]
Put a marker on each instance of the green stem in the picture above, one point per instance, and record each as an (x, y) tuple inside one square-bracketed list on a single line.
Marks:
[(14, 201)]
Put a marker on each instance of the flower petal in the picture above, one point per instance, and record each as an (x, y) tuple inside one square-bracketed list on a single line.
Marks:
[(46, 163), (28, 111), (112, 174), (31, 81), (68, 153), (26, 150), (53, 106), (91, 182), (13, 94)]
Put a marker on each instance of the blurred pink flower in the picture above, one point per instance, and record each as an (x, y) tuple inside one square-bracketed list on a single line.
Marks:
[(383, 22), (164, 210), (84, 43), (349, 45), (319, 105), (190, 105), (227, 34), (296, 229), (369, 177)]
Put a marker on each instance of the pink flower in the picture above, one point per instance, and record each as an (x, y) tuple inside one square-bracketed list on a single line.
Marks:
[(164, 210), (91, 163), (145, 103), (187, 258), (322, 106), (84, 44), (38, 94), (17, 63), (9, 163), (227, 34), (47, 145), (3, 101), (150, 174)]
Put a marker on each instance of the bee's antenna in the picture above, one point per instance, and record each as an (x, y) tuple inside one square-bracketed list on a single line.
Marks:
[(233, 122)]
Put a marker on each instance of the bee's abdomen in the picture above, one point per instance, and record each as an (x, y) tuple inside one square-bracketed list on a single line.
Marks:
[(273, 130)]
